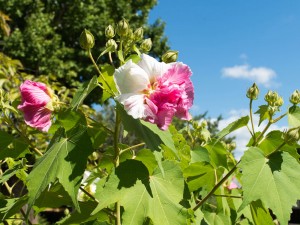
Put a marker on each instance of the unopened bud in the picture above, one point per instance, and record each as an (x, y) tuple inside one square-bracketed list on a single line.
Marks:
[(271, 97), (146, 45), (279, 102), (86, 40), (110, 32), (204, 123), (253, 92), (111, 43), (170, 56), (204, 135), (291, 136), (122, 28), (231, 146), (295, 97), (138, 34)]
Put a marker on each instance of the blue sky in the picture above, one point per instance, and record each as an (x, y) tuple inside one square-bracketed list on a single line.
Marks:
[(231, 44), (257, 40)]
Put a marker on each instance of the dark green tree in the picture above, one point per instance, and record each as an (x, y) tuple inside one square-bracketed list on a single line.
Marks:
[(45, 34)]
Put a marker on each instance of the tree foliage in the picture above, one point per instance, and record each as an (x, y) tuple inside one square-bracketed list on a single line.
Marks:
[(45, 34)]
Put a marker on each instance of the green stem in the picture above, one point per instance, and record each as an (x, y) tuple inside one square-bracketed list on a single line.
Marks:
[(88, 194), (263, 132), (279, 118), (132, 147), (99, 72), (117, 161), (251, 119), (228, 196), (216, 187), (278, 148)]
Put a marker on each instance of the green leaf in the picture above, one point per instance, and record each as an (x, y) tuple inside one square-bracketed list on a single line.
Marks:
[(9, 207), (260, 214), (147, 158), (155, 196), (65, 160), (263, 113), (5, 140), (219, 218), (273, 140), (160, 202), (274, 180), (83, 216), (217, 154), (108, 74), (69, 119), (200, 154), (243, 121), (149, 133), (294, 116), (10, 172), (83, 92), (18, 149), (201, 175)]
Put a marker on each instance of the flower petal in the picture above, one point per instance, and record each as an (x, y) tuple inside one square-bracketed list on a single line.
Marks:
[(34, 93), (130, 78), (39, 118), (133, 104), (152, 67)]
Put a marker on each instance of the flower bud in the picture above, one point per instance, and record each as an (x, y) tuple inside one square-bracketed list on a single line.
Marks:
[(204, 124), (204, 135), (112, 45), (86, 40), (295, 97), (279, 102), (170, 56), (291, 136), (110, 32), (146, 45), (122, 28), (138, 34), (231, 146), (253, 92), (271, 97)]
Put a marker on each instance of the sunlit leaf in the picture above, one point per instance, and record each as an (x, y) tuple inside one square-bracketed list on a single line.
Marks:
[(65, 160), (274, 180), (294, 116), (109, 83), (241, 122), (263, 113), (83, 92)]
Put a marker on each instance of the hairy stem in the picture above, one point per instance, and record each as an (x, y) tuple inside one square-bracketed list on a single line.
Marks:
[(100, 74), (251, 119)]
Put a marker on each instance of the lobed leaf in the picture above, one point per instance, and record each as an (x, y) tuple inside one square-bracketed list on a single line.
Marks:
[(65, 160), (294, 116), (273, 180)]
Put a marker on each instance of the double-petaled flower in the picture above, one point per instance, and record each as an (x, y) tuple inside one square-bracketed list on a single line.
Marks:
[(155, 91), (36, 104)]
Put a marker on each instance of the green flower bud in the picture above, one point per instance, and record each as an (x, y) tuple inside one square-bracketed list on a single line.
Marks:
[(204, 124), (146, 45), (295, 97), (138, 34), (232, 146), (204, 135), (253, 92), (279, 102), (271, 97), (130, 35), (112, 45), (110, 32), (291, 136), (170, 56), (86, 40), (122, 28)]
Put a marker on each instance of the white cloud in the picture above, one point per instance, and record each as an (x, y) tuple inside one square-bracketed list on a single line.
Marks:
[(260, 75), (242, 135)]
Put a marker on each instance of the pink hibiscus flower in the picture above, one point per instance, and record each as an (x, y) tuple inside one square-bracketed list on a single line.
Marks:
[(155, 91), (36, 105)]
